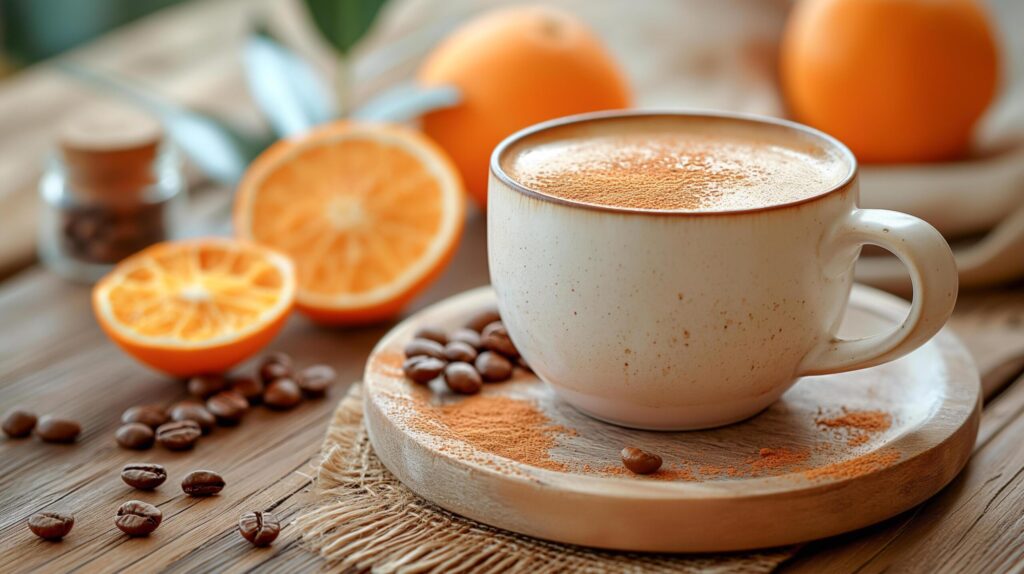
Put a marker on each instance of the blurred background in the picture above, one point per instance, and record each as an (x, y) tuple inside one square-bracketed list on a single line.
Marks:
[(60, 57)]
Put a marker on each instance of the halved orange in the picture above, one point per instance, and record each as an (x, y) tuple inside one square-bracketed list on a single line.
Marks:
[(369, 213), (196, 306)]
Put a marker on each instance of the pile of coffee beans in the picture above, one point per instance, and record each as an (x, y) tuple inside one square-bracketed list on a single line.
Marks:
[(19, 423), (219, 400), (479, 352)]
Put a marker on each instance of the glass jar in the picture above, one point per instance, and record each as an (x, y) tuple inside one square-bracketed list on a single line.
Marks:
[(108, 195)]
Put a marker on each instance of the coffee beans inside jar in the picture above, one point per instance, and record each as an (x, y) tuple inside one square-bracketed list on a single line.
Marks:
[(18, 423), (143, 475), (137, 518), (51, 525), (259, 528), (202, 483)]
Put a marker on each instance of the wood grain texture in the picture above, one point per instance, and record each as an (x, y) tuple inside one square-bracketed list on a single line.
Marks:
[(54, 359), (931, 395)]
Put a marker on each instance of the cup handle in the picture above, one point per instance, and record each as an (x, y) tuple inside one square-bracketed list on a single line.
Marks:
[(932, 271)]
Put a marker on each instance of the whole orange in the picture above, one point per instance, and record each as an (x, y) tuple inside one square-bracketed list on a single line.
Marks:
[(895, 80), (515, 67)]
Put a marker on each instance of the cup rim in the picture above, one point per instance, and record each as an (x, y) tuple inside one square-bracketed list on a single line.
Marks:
[(497, 171)]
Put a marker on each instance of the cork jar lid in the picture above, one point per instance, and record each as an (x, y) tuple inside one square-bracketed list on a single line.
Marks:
[(110, 149)]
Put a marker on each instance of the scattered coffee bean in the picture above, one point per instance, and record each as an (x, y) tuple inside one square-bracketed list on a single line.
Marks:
[(249, 387), (149, 415), (228, 407), (54, 429), (495, 338), (493, 367), (135, 436), (467, 336), (282, 394), (417, 347), (137, 518), (51, 525), (202, 483), (314, 381), (459, 351), (195, 412), (205, 386), (259, 528), (422, 368), (275, 366), (178, 435), (433, 333), (18, 423), (462, 378), (143, 475), (483, 318), (640, 461)]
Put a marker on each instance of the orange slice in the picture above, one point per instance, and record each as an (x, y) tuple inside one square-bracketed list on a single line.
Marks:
[(369, 213), (196, 306)]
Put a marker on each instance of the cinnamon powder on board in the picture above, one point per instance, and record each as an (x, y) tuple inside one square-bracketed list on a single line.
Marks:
[(857, 425)]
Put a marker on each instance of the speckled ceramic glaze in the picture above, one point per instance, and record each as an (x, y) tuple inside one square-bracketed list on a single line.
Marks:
[(686, 320)]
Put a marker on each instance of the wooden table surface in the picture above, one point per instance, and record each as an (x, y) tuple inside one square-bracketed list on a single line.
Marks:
[(54, 359)]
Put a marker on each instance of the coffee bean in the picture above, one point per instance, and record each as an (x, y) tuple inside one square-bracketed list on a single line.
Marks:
[(459, 351), (202, 483), (54, 429), (178, 435), (282, 394), (228, 406), (640, 461), (314, 381), (493, 367), (195, 412), (205, 386), (249, 387), (149, 415), (483, 318), (143, 475), (259, 528), (462, 378), (18, 423), (495, 338), (135, 436), (137, 518), (51, 525), (467, 336), (422, 368), (432, 333), (417, 347), (275, 366)]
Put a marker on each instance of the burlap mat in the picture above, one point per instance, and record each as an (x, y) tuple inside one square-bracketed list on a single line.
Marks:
[(365, 519)]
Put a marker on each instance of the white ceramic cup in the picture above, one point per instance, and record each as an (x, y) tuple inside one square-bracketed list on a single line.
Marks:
[(685, 320)]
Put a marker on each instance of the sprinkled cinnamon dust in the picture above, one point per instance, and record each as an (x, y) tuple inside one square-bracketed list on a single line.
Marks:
[(858, 426), (507, 427), (859, 466)]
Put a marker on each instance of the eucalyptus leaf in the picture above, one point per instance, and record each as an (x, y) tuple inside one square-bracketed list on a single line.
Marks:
[(343, 22), (286, 87), (407, 102)]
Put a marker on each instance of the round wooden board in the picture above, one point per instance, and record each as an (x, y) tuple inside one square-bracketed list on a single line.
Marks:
[(779, 478)]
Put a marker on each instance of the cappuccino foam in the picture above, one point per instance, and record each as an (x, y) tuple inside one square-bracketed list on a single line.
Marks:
[(675, 163)]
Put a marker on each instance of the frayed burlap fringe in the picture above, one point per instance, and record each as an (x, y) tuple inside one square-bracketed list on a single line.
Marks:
[(364, 519)]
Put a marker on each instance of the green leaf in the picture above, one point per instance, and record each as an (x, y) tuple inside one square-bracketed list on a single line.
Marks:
[(343, 22)]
